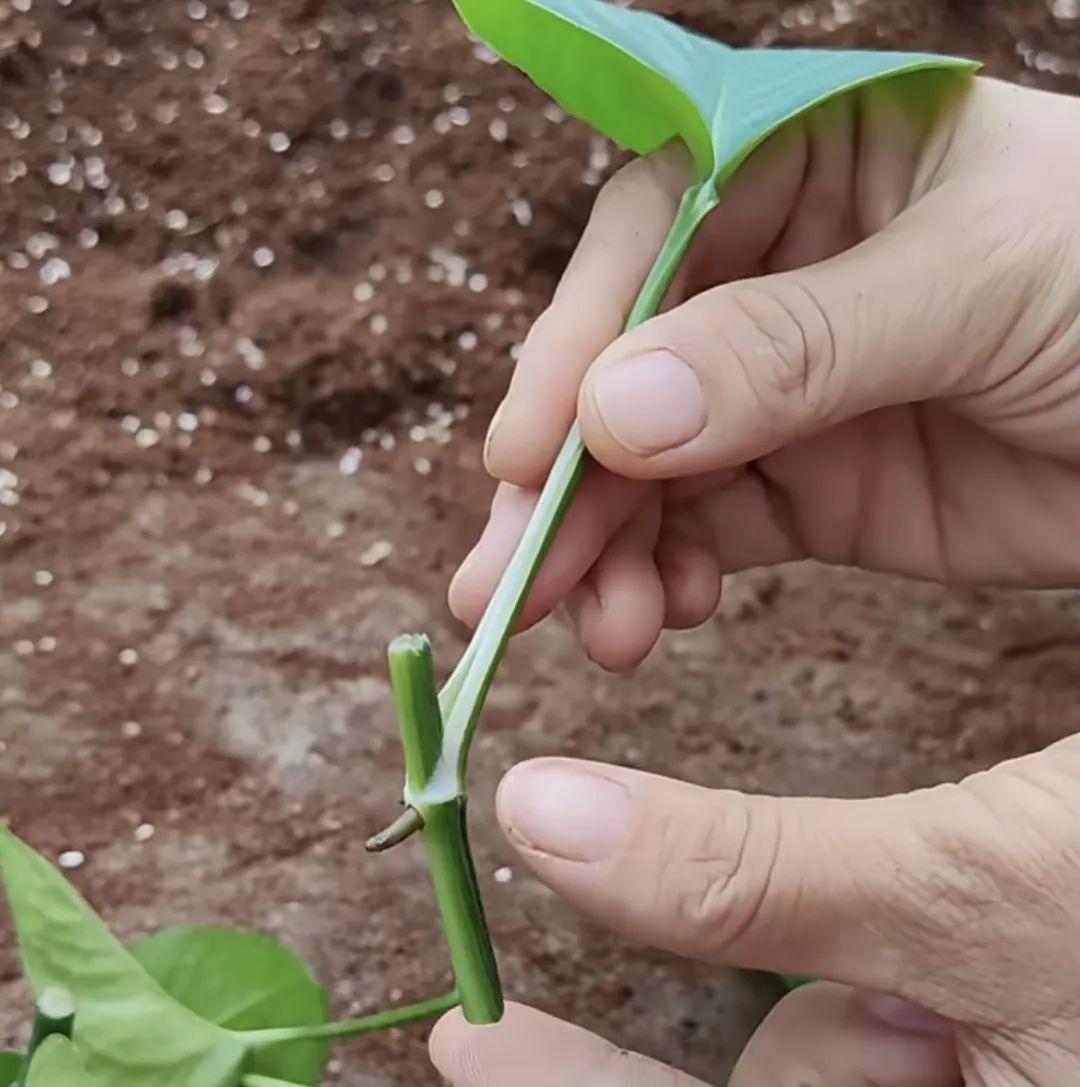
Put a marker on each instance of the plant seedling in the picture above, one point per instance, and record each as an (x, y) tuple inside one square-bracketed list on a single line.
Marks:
[(204, 1006), (643, 82)]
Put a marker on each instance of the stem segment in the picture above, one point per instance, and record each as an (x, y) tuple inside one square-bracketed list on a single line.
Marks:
[(437, 731), (412, 678), (349, 1028), (458, 895), (453, 874), (54, 1014)]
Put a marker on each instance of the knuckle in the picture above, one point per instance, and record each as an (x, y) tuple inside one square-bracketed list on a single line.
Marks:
[(783, 341), (720, 872), (1018, 861), (968, 869), (944, 884)]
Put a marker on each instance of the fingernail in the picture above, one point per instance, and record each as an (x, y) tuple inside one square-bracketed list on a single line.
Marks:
[(905, 1014), (564, 811), (650, 403), (493, 426)]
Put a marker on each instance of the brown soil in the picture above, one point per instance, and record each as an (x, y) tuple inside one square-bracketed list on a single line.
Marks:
[(267, 208)]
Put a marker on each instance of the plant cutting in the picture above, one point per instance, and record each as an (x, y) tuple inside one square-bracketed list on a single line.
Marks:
[(216, 1008), (205, 1006), (643, 82)]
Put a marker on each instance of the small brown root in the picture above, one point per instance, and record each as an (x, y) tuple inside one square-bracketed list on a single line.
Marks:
[(404, 826)]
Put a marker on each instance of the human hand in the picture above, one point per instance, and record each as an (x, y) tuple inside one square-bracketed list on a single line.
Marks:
[(878, 364), (948, 919)]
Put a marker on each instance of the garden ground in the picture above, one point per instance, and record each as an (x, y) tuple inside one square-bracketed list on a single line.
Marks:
[(263, 266)]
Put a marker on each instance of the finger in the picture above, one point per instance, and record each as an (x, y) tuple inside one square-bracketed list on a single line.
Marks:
[(828, 888), (531, 1049), (832, 1034), (747, 368), (629, 223), (826, 223), (618, 610), (603, 504), (689, 574)]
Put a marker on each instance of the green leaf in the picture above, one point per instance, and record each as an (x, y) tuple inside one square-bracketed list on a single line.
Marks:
[(58, 1063), (10, 1067), (243, 981), (643, 81), (131, 1033)]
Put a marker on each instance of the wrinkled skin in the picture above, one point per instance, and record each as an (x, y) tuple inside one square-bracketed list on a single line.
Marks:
[(872, 358)]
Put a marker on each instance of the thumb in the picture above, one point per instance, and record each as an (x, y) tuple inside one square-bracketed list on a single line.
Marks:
[(861, 891), (830, 1034), (530, 1049), (917, 311)]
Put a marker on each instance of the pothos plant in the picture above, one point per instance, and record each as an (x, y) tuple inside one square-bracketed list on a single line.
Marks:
[(643, 82), (188, 1007), (205, 1007)]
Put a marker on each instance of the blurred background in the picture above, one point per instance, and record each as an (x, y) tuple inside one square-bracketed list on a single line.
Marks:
[(264, 267)]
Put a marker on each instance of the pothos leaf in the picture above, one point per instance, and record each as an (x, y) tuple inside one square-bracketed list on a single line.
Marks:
[(243, 981), (10, 1067), (58, 1063), (131, 1033), (643, 81)]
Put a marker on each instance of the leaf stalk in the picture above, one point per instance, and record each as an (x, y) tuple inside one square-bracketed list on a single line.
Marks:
[(348, 1028)]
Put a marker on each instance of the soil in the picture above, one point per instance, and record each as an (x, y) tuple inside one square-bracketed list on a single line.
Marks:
[(264, 264)]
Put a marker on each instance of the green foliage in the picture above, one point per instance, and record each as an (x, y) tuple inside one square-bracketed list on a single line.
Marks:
[(242, 981), (58, 1063), (205, 1006), (130, 1031), (643, 81), (10, 1066)]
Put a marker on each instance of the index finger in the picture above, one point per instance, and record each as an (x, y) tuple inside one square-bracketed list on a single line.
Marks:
[(629, 222)]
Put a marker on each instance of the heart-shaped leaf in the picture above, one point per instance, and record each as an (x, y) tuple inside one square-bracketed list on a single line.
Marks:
[(643, 81), (243, 981), (58, 1063), (10, 1067), (131, 1033)]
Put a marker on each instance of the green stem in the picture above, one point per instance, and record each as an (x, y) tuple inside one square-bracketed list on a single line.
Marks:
[(54, 1014), (252, 1080), (464, 694), (412, 678), (461, 908), (437, 731), (350, 1028)]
